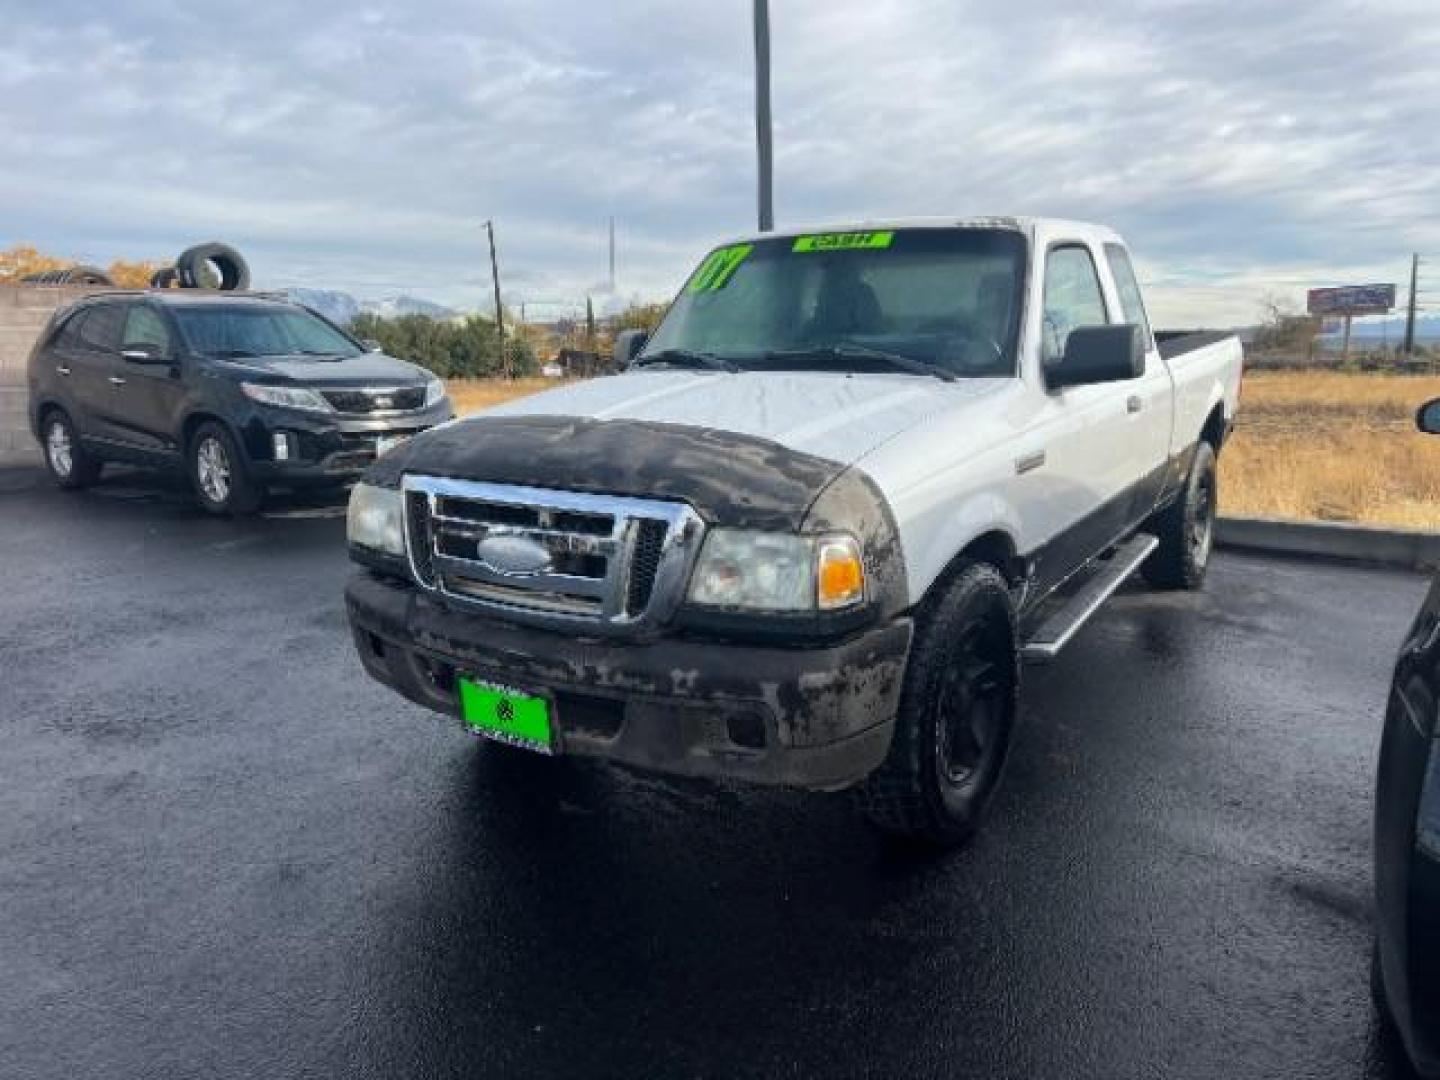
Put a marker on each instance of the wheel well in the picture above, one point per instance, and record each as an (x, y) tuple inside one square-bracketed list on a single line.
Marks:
[(192, 424), (994, 547), (43, 413), (1214, 430)]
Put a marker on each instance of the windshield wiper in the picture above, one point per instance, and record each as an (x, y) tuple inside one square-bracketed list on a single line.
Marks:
[(860, 352), (688, 358)]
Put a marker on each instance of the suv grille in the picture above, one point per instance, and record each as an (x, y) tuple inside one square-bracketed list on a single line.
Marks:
[(362, 401), (549, 556)]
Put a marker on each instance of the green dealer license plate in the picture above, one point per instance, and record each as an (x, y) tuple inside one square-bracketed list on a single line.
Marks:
[(506, 715)]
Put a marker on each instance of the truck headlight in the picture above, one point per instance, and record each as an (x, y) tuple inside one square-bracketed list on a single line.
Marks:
[(374, 519), (286, 397), (434, 392), (761, 571)]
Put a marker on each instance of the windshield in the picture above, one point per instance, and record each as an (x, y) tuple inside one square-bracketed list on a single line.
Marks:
[(946, 298), (260, 330)]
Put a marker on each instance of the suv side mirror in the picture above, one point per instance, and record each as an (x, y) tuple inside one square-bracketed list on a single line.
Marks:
[(144, 352), (628, 344), (371, 345), (1099, 354), (1428, 417)]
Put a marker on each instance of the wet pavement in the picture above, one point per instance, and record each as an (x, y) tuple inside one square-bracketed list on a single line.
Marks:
[(225, 853)]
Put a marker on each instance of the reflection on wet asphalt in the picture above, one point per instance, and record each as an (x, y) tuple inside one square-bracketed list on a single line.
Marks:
[(225, 853)]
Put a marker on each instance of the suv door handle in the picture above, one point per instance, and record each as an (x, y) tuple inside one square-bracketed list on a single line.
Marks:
[(116, 380), (1133, 404), (62, 369)]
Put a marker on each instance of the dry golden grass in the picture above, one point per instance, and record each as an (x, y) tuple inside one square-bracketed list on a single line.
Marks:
[(1333, 446), (471, 395), (1327, 445)]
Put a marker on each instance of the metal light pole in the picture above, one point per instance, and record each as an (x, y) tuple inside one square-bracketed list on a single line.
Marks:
[(763, 141), (499, 311)]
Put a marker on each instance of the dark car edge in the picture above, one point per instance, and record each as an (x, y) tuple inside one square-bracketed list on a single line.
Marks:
[(138, 378), (1406, 977)]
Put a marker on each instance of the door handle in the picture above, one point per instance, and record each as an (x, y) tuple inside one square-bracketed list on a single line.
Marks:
[(116, 381), (1133, 404), (62, 369)]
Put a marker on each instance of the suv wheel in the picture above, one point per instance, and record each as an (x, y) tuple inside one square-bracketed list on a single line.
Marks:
[(218, 474), (957, 712), (69, 463)]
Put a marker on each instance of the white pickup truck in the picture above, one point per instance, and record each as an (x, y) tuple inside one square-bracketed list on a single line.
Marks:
[(810, 533)]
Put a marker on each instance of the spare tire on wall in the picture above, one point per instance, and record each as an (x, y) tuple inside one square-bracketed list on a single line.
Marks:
[(226, 261), (164, 278)]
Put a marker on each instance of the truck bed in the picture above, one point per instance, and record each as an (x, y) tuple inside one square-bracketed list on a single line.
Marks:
[(1176, 343)]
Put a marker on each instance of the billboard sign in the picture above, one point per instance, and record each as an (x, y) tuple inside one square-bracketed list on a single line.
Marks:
[(1351, 300)]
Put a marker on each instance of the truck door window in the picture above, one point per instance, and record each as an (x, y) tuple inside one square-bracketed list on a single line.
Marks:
[(1073, 297), (1132, 304), (145, 326)]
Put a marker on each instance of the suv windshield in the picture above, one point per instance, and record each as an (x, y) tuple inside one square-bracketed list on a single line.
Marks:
[(925, 301), (260, 330)]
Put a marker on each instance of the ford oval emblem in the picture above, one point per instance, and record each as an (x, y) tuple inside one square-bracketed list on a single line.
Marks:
[(513, 555)]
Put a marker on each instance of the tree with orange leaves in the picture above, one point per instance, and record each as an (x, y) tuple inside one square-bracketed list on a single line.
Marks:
[(22, 260)]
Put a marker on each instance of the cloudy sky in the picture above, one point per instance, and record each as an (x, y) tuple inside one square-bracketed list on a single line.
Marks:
[(1242, 149)]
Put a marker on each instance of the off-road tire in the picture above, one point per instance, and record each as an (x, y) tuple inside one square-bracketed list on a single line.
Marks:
[(1186, 529), (213, 446), (72, 467), (964, 658)]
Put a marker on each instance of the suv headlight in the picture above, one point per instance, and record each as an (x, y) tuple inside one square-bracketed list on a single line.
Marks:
[(778, 572), (286, 397), (374, 519), (434, 392)]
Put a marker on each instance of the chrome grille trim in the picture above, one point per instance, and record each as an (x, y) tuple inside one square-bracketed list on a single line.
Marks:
[(346, 395), (587, 580)]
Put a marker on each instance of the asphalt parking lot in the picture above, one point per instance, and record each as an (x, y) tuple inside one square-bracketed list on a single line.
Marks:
[(225, 853)]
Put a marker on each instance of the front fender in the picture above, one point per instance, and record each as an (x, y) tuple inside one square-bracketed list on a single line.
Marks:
[(931, 546)]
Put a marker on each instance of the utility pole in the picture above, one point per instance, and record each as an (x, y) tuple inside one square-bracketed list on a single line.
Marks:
[(612, 256), (499, 311), (1410, 312), (763, 141)]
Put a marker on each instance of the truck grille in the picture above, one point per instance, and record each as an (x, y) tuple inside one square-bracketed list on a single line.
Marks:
[(362, 401), (550, 557)]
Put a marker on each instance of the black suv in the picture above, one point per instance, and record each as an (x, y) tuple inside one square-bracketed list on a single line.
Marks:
[(238, 391)]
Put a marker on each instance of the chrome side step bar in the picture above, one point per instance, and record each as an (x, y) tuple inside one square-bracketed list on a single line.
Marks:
[(1060, 626)]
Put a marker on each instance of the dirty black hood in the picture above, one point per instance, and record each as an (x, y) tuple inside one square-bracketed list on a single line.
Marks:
[(731, 479)]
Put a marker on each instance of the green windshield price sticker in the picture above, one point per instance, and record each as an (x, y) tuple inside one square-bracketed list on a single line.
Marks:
[(719, 267), (851, 241)]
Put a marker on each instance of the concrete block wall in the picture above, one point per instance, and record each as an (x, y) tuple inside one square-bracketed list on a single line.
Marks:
[(24, 311)]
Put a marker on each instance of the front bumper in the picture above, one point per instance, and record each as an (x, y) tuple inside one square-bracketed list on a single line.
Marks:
[(814, 717), (326, 448)]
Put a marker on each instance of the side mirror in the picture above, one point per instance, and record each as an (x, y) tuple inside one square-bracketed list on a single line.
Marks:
[(1099, 354), (144, 353), (628, 344), (371, 345), (1428, 418)]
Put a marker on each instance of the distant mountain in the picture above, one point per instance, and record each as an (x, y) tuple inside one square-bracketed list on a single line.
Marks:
[(339, 307), (395, 306), (1390, 329)]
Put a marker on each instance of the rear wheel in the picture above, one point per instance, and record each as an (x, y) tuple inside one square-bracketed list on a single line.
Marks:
[(1186, 529), (70, 464), (957, 712), (218, 474)]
